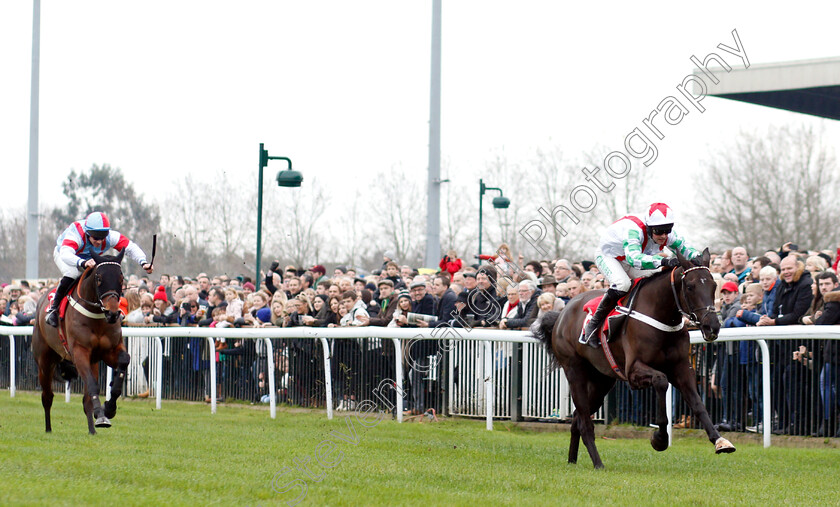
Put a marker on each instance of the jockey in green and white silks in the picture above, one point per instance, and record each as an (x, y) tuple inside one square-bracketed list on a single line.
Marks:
[(629, 248)]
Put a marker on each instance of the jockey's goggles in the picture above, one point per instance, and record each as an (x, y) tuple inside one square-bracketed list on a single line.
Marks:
[(98, 234), (661, 229)]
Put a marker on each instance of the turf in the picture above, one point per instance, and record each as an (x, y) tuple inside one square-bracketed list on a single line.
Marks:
[(182, 454)]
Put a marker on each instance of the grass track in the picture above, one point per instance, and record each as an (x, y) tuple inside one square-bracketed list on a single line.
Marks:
[(184, 455)]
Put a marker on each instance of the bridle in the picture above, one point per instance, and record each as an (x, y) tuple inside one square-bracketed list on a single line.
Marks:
[(101, 297), (691, 314)]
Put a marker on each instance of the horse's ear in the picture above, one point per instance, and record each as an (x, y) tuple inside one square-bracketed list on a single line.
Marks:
[(97, 258), (119, 258), (683, 262), (706, 257)]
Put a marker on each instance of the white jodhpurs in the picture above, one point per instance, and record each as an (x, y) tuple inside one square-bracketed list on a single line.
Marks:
[(618, 273), (66, 269)]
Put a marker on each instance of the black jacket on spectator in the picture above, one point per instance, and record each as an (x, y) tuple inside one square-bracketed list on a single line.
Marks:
[(829, 317), (208, 317), (526, 314), (446, 309), (426, 306), (485, 306), (793, 299)]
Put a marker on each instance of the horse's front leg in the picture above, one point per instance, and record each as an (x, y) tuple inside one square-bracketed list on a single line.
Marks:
[(642, 376), (684, 379), (90, 375), (117, 359)]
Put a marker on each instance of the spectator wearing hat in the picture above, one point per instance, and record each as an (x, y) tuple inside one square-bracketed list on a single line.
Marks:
[(548, 284), (446, 304), (469, 281), (387, 303), (319, 274), (484, 304), (403, 309), (163, 312), (727, 362), (421, 300), (388, 256)]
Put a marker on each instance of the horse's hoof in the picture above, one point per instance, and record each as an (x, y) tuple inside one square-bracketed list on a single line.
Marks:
[(659, 444), (110, 413), (102, 422), (723, 445)]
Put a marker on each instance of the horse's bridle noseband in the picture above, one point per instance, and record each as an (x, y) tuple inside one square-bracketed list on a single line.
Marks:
[(691, 315), (105, 296)]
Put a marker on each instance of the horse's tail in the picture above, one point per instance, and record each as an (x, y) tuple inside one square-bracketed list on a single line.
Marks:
[(543, 328)]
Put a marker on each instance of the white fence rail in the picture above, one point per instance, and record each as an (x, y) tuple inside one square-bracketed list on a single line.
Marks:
[(480, 363)]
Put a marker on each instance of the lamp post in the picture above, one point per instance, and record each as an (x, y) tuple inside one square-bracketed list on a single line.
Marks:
[(500, 202), (288, 178)]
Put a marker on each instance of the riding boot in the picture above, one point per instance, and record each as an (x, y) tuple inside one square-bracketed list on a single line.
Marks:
[(63, 286), (604, 308)]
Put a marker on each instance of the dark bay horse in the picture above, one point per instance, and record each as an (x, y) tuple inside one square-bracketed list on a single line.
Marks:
[(647, 356), (91, 326)]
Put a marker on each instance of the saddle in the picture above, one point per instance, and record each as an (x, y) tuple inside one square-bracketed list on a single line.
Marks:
[(614, 323)]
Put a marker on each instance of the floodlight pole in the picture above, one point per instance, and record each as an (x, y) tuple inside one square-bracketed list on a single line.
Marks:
[(483, 189), (264, 158)]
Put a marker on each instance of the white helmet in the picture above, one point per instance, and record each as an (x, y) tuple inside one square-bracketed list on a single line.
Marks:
[(659, 214)]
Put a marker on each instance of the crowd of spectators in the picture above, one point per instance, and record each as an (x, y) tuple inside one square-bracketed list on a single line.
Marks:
[(774, 288)]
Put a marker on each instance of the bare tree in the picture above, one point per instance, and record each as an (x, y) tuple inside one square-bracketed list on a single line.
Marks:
[(772, 188), (354, 238), (292, 224), (459, 217), (400, 213), (502, 226)]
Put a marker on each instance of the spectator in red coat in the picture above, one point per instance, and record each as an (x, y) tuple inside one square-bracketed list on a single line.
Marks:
[(451, 263)]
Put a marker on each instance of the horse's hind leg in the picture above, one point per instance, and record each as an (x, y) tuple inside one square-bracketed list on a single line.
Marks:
[(643, 376), (120, 367), (588, 390), (684, 379), (574, 443)]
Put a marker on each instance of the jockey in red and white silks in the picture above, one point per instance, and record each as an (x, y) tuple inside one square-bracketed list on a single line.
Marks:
[(75, 248), (630, 247)]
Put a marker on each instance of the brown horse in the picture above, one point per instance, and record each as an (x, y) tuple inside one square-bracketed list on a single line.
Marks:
[(647, 356), (91, 326)]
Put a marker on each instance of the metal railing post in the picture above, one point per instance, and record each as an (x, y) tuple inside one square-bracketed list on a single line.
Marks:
[(327, 376), (272, 391), (488, 383), (212, 345), (12, 369), (669, 406), (767, 417), (159, 372), (109, 377), (399, 379)]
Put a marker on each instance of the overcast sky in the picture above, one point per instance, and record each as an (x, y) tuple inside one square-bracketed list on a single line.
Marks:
[(162, 89)]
